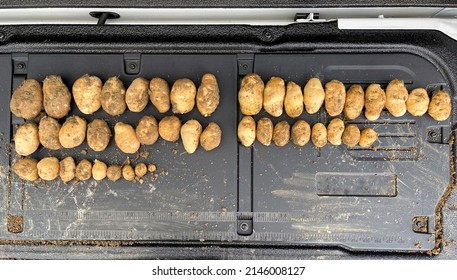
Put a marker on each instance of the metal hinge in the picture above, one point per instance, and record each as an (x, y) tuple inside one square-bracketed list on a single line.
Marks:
[(309, 18)]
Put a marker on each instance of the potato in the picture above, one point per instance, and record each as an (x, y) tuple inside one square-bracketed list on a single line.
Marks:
[(440, 106), (367, 137), (293, 102), (125, 138), (273, 96), (417, 102), (301, 132), (141, 170), (87, 91), (396, 96), (56, 97), (152, 167), (250, 95), (128, 173), (246, 131), (26, 139), (355, 100), (114, 172), (169, 128), (99, 170), (98, 135), (67, 169), (281, 133), (26, 169), (137, 95), (48, 168), (211, 137), (27, 100), (83, 170), (160, 94), (313, 95), (335, 131), (264, 131), (182, 96), (48, 133), (147, 130), (319, 135), (208, 95), (73, 132), (351, 135), (190, 135), (113, 97), (335, 97), (375, 99)]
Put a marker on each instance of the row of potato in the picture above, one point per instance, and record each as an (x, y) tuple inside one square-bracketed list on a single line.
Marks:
[(275, 97), (336, 133)]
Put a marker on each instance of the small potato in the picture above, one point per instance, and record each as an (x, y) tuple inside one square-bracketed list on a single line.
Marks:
[(273, 96), (250, 95), (160, 94), (152, 167), (128, 173), (367, 137), (375, 99), (190, 135), (169, 128), (182, 96), (355, 100), (208, 95), (396, 96), (264, 131), (137, 95), (56, 97), (211, 137), (301, 133), (335, 131), (26, 169), (281, 133), (26, 139), (27, 100), (48, 168), (98, 135), (67, 169), (48, 133), (87, 91), (440, 106), (313, 95), (335, 97), (147, 130), (417, 102), (113, 97), (114, 172), (246, 131), (73, 132), (141, 170), (319, 135), (83, 170), (293, 102), (99, 170), (125, 138), (351, 135)]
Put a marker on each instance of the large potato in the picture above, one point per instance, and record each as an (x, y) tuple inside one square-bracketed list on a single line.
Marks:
[(170, 128), (440, 106), (313, 95), (128, 173), (113, 97), (264, 131), (211, 137), (396, 96), (273, 96), (56, 97), (246, 131), (98, 135), (160, 94), (208, 95), (48, 168), (335, 97), (355, 100), (147, 130), (319, 135), (351, 135), (335, 131), (67, 169), (281, 133), (417, 102), (26, 139), (375, 99), (250, 95), (125, 138), (367, 137), (137, 95), (114, 172), (27, 100), (83, 170), (26, 169), (99, 170), (48, 133), (182, 96), (87, 91), (190, 135), (293, 102), (301, 133), (73, 132)]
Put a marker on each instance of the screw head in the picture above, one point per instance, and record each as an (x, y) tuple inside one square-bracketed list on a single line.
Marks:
[(21, 66), (245, 67), (432, 134), (2, 36), (268, 35), (244, 226), (132, 66)]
